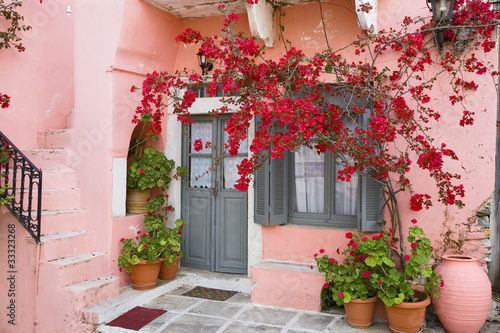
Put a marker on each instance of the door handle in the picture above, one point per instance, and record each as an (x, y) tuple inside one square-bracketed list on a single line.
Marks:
[(215, 189)]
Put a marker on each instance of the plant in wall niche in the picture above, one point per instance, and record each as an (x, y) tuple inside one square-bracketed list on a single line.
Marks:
[(150, 168), (382, 137)]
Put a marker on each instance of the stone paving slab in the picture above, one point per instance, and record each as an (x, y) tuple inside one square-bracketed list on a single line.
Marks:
[(237, 315)]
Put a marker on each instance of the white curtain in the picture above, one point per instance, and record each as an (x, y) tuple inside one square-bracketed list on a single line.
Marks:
[(309, 181), (346, 194), (200, 173)]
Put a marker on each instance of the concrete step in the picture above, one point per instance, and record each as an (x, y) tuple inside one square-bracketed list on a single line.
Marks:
[(53, 199), (63, 221), (55, 178), (130, 298), (67, 304), (62, 245), (49, 158), (54, 138), (71, 270), (287, 284)]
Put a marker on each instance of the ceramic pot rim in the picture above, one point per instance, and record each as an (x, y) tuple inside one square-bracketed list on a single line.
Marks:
[(415, 305), (458, 257), (368, 300)]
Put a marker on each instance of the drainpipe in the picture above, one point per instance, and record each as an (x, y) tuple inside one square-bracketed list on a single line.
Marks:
[(494, 271)]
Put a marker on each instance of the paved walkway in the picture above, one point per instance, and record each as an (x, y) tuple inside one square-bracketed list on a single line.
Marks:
[(237, 315)]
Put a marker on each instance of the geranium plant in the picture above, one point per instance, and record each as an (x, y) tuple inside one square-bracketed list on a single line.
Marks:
[(398, 284), (352, 278), (147, 246), (156, 219), (150, 168), (370, 269)]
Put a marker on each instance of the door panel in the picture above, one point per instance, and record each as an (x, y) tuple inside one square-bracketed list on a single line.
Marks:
[(197, 231), (232, 233)]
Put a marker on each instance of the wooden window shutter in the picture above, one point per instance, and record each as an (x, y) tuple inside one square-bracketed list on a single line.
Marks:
[(271, 192)]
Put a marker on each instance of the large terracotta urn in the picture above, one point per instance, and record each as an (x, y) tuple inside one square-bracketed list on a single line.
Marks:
[(465, 297)]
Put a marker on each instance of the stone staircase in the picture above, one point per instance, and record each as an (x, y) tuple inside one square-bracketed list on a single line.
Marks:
[(71, 271)]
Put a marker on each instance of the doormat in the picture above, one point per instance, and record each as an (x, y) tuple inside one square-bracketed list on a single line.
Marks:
[(136, 318), (209, 293)]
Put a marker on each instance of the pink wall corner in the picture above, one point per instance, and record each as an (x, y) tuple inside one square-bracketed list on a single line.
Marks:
[(39, 80), (289, 289)]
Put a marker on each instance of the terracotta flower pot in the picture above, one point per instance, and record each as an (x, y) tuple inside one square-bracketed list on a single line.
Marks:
[(137, 201), (360, 312), (168, 270), (145, 276), (408, 317), (464, 299)]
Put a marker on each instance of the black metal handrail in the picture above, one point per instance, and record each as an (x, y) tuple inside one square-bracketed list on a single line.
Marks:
[(21, 180)]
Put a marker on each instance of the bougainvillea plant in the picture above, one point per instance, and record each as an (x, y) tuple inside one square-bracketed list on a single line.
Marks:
[(388, 106)]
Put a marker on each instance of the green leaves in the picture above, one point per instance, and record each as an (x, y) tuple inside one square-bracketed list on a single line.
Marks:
[(150, 169)]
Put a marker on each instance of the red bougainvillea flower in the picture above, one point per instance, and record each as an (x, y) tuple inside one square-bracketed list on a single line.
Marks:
[(379, 281), (414, 221), (366, 274), (144, 234), (407, 258), (364, 239), (321, 251), (315, 255), (150, 214), (169, 208), (147, 200), (141, 171), (139, 232), (326, 286), (415, 254), (121, 240), (341, 294), (179, 232), (348, 235), (375, 237), (354, 245), (198, 145), (146, 246), (332, 260), (442, 283), (414, 245)]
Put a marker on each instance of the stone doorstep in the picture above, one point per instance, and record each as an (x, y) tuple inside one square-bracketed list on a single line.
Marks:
[(130, 298)]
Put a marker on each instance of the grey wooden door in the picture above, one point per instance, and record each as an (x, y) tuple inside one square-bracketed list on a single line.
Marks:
[(215, 236)]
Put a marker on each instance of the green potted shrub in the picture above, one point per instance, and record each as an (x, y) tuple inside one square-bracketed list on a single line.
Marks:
[(149, 169), (405, 290), (141, 257), (352, 283), (156, 219)]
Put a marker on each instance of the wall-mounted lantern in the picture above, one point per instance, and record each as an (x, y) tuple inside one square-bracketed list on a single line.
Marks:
[(442, 11), (204, 64)]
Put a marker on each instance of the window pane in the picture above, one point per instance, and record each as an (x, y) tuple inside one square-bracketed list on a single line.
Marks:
[(346, 194), (202, 131), (309, 181), (200, 172)]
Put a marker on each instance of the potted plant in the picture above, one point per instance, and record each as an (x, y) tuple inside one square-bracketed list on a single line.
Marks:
[(156, 219), (405, 290), (141, 257), (5, 155), (149, 168), (352, 283)]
